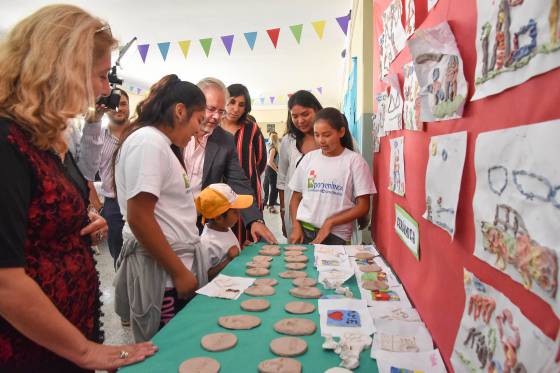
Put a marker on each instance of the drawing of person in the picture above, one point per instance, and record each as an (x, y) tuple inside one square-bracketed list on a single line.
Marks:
[(451, 78), (435, 87)]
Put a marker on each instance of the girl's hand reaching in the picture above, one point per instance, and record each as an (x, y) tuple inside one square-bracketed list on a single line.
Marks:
[(323, 232)]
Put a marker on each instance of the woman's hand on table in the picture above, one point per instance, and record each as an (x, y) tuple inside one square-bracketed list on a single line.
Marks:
[(105, 357)]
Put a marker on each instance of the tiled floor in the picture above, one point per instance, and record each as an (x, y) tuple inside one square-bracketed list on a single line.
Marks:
[(115, 333)]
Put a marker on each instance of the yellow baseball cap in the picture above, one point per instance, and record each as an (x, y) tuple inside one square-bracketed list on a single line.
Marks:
[(216, 199)]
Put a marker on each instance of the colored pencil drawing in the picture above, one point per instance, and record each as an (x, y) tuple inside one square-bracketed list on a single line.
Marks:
[(393, 38), (411, 106), (396, 173), (410, 14), (394, 105)]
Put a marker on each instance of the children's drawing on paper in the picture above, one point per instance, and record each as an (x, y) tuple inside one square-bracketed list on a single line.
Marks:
[(516, 40), (411, 107), (439, 68), (517, 205), (443, 179), (394, 105), (396, 171), (410, 17), (393, 38), (383, 57), (494, 336)]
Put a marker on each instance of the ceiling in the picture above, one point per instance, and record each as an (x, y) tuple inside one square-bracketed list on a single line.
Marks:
[(314, 64)]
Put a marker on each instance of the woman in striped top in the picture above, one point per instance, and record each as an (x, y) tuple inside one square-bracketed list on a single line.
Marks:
[(250, 144)]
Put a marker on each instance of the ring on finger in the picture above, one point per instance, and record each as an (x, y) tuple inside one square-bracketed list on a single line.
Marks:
[(123, 355)]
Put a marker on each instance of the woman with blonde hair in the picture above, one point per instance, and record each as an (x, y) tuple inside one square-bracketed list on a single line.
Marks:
[(54, 65)]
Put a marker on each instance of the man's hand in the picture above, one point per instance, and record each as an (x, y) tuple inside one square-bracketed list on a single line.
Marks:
[(296, 236), (323, 232), (259, 230)]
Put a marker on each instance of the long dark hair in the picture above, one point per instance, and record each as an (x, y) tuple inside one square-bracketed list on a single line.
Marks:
[(336, 120), (158, 109), (240, 90), (305, 99)]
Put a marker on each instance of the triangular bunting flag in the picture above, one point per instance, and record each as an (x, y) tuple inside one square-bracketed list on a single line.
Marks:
[(228, 42), (262, 100), (143, 49), (185, 45), (273, 35), (138, 90), (206, 44), (319, 27), (251, 37), (290, 95), (296, 31), (271, 99), (320, 90), (343, 23), (164, 49)]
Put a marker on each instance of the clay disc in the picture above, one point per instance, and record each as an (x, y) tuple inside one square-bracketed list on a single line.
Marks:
[(364, 255), (269, 252), (218, 341), (258, 265), (306, 292), (296, 259), (375, 285), (288, 346), (370, 268), (295, 326), (270, 247), (257, 272), (295, 247), (292, 274), (200, 365), (261, 258), (280, 365), (292, 253), (239, 322), (304, 282), (299, 308), (265, 282), (295, 266), (260, 291), (255, 305), (337, 370)]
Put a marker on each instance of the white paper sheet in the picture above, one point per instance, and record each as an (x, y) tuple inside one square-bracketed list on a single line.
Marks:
[(387, 311), (393, 39), (397, 295), (410, 17), (411, 106), (509, 52), (227, 287), (443, 179), (517, 205), (439, 68), (410, 362), (396, 166), (400, 336), (358, 305), (391, 278), (432, 4), (394, 106), (491, 326), (335, 275)]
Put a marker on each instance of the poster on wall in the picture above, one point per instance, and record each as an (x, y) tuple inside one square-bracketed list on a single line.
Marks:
[(439, 68), (517, 205), (396, 170), (411, 106), (516, 40), (393, 38), (494, 336), (394, 104), (410, 17), (443, 179)]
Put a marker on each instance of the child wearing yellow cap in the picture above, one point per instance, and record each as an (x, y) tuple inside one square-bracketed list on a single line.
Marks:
[(219, 205)]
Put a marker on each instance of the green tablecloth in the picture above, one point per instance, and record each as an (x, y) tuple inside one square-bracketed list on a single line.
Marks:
[(180, 339)]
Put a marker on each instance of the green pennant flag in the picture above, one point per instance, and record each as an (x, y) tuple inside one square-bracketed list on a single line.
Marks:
[(185, 45), (296, 31), (206, 43)]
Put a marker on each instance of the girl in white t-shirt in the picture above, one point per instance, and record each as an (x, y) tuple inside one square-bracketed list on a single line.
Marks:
[(331, 186), (157, 261)]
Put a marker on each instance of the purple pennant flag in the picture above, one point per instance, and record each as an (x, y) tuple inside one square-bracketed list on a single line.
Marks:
[(138, 90), (143, 49), (272, 99), (320, 90), (343, 22), (228, 41), (262, 100)]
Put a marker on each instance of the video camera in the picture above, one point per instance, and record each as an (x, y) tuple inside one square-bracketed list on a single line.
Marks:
[(112, 100)]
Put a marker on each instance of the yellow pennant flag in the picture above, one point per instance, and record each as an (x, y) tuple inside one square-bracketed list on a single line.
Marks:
[(319, 27), (185, 45)]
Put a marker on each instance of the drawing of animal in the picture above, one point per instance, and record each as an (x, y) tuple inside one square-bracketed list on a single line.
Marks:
[(510, 241)]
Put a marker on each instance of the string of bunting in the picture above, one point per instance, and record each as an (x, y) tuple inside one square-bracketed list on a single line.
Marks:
[(250, 38), (279, 99)]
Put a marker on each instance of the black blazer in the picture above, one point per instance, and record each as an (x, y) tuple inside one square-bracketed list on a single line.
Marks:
[(221, 165)]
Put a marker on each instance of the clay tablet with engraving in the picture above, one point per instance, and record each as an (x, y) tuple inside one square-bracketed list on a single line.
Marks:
[(265, 281), (218, 341), (295, 266), (299, 308), (257, 272), (269, 252), (280, 365), (199, 365), (258, 265), (262, 258), (295, 326), (375, 285), (292, 253), (288, 346), (305, 292), (260, 290), (255, 305), (370, 268), (364, 255), (240, 322), (292, 274), (304, 282), (295, 248), (296, 259)]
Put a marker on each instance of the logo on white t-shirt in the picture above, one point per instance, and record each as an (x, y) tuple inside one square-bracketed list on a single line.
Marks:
[(323, 187), (186, 181), (311, 179)]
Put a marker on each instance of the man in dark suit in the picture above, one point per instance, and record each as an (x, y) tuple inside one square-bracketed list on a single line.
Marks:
[(211, 158)]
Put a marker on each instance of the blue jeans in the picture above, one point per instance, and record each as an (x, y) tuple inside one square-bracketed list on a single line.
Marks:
[(112, 214)]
